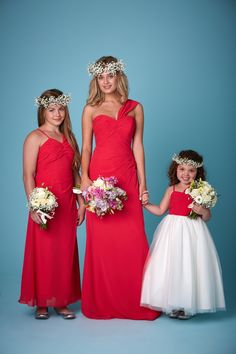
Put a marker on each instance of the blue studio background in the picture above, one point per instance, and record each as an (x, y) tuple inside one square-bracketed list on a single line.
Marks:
[(180, 58)]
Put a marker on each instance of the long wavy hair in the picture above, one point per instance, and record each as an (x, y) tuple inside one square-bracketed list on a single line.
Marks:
[(191, 155), (65, 127), (96, 96)]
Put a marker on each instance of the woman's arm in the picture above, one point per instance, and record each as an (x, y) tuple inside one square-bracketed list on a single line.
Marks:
[(164, 204), (30, 155), (87, 139), (138, 151)]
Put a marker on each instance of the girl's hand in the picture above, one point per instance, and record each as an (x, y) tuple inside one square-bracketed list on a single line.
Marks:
[(202, 211), (35, 217), (81, 214), (85, 183), (143, 195)]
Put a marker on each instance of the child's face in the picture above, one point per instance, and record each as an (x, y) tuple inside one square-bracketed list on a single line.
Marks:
[(55, 114), (186, 173)]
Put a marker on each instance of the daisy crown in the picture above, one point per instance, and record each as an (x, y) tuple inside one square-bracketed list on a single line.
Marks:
[(46, 101), (99, 67), (184, 160)]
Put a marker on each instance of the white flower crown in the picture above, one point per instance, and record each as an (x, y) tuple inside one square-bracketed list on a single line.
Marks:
[(113, 67), (46, 101), (184, 160)]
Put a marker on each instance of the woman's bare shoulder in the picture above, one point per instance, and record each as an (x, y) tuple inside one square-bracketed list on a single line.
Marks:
[(89, 110)]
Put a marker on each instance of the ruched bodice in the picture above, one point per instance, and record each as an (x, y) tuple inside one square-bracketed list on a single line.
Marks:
[(113, 142), (54, 164)]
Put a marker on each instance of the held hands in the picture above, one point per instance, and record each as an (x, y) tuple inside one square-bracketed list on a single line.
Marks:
[(143, 196)]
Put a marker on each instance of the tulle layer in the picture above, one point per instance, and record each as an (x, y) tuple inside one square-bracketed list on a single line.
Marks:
[(183, 269)]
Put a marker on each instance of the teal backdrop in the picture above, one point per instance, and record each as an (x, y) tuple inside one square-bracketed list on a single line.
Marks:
[(180, 58)]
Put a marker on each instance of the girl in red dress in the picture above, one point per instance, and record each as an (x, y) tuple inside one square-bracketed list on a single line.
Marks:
[(51, 159), (116, 245)]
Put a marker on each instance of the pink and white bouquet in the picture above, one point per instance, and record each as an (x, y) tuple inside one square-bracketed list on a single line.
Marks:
[(202, 193), (44, 203), (103, 197)]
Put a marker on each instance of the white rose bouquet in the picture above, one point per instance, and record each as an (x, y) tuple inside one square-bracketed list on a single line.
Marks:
[(202, 193), (44, 203), (102, 197)]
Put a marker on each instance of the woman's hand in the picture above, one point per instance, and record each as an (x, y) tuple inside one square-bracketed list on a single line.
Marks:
[(35, 217), (143, 195), (85, 183), (81, 214)]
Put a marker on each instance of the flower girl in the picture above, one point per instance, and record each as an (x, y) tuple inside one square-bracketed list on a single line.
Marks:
[(182, 274)]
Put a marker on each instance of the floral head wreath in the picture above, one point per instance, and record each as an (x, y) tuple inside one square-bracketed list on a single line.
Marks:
[(100, 67), (184, 160), (46, 101)]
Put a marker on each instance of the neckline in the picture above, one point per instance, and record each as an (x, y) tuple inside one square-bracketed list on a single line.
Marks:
[(180, 191), (116, 118), (49, 137)]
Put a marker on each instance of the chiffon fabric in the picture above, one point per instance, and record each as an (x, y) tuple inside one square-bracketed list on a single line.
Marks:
[(51, 266), (116, 246), (183, 269)]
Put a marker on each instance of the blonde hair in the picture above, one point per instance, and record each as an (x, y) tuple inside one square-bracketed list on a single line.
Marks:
[(96, 96), (65, 127)]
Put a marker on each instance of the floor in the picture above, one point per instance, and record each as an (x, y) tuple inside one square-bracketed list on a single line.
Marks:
[(22, 334)]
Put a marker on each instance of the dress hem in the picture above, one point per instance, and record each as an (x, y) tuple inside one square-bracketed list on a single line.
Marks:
[(189, 311), (34, 303)]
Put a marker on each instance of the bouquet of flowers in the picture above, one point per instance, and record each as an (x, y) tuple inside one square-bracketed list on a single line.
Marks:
[(102, 197), (44, 203), (201, 193)]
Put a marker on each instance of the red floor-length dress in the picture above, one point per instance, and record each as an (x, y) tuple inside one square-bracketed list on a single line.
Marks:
[(116, 246), (51, 266)]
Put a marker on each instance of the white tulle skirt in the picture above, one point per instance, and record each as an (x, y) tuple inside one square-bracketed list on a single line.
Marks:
[(183, 269)]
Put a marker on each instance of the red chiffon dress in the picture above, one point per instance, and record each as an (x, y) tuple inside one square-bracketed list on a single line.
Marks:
[(116, 245), (51, 266)]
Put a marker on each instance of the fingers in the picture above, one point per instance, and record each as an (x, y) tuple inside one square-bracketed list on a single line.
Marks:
[(145, 200), (80, 221), (144, 197), (35, 217)]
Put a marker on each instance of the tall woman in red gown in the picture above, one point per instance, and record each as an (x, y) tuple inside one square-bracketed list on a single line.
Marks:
[(51, 159), (116, 245)]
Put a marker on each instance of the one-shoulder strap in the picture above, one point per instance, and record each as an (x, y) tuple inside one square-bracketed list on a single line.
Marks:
[(44, 133), (128, 106)]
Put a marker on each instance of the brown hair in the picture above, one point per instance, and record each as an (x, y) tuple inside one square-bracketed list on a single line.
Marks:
[(65, 127), (190, 155), (96, 96)]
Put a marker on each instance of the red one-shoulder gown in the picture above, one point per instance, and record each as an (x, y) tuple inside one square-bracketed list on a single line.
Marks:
[(116, 246)]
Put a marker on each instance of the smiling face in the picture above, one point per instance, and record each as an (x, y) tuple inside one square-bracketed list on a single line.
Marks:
[(54, 114), (186, 174), (107, 82)]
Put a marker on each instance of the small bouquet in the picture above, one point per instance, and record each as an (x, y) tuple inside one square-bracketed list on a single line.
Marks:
[(201, 193), (44, 203), (102, 197)]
